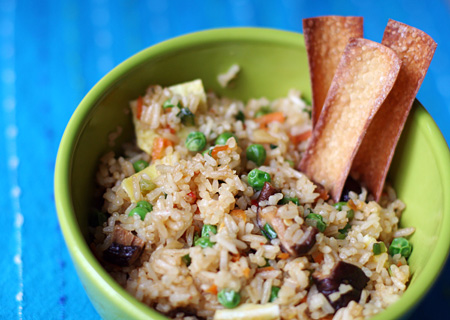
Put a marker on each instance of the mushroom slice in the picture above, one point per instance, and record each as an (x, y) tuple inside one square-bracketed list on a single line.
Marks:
[(344, 284), (416, 49), (295, 249), (125, 248), (364, 77), (325, 41)]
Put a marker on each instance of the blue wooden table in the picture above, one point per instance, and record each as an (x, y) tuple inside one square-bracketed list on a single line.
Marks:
[(52, 52)]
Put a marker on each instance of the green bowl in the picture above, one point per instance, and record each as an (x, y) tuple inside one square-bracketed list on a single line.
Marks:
[(272, 62)]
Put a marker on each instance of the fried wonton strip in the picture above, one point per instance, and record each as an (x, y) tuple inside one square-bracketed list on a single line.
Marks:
[(363, 79), (415, 48), (325, 40)]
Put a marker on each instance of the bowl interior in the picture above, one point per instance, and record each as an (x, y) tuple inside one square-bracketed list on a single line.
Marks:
[(272, 62)]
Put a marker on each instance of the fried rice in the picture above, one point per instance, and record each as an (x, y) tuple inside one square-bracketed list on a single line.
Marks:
[(194, 189)]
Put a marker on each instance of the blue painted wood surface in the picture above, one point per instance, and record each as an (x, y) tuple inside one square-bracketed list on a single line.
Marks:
[(52, 52)]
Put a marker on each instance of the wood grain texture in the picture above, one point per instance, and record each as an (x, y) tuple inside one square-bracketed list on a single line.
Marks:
[(364, 78), (325, 40)]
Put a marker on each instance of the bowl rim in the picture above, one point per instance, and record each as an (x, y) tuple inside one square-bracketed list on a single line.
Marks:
[(82, 256)]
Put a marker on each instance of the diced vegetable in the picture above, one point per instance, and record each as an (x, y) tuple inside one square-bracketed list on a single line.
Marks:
[(343, 232), (316, 220), (195, 141), (140, 165), (223, 138), (168, 104), (146, 185), (299, 138), (217, 149), (142, 212), (274, 293), (268, 231), (187, 117), (378, 248), (186, 259), (229, 298), (240, 116), (400, 246), (194, 88), (159, 144), (263, 111), (208, 229), (271, 117), (257, 178), (256, 153), (204, 242), (239, 214), (286, 200), (139, 106), (146, 205), (267, 311)]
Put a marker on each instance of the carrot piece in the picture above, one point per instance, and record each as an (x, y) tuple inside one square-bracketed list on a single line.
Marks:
[(399, 264), (266, 269), (301, 137), (235, 257), (140, 103), (238, 213), (217, 150), (191, 197), (318, 257), (246, 272), (271, 117), (159, 144), (352, 205), (283, 256), (212, 289)]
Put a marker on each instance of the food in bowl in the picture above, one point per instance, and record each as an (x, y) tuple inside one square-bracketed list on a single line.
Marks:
[(206, 216)]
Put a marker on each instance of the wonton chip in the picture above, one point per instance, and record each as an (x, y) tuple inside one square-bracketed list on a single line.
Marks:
[(325, 40), (363, 79), (415, 48)]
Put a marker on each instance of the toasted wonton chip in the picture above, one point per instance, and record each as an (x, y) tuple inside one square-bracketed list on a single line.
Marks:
[(415, 48), (363, 79), (325, 40)]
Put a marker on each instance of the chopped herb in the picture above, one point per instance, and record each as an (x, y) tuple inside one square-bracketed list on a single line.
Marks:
[(187, 260), (316, 220), (263, 111), (378, 248), (273, 146), (240, 116), (268, 232), (187, 117), (274, 293)]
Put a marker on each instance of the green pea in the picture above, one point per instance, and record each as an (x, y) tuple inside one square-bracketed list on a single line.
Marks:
[(256, 153), (142, 212), (208, 229), (268, 232), (223, 138), (187, 117), (146, 205), (146, 185), (195, 141), (168, 104), (263, 111), (140, 165), (187, 260), (316, 220), (378, 248), (204, 242), (256, 178), (286, 200), (240, 116), (229, 298), (274, 293), (400, 245)]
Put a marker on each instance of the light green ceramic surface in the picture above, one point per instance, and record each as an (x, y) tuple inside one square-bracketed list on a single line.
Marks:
[(271, 63)]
